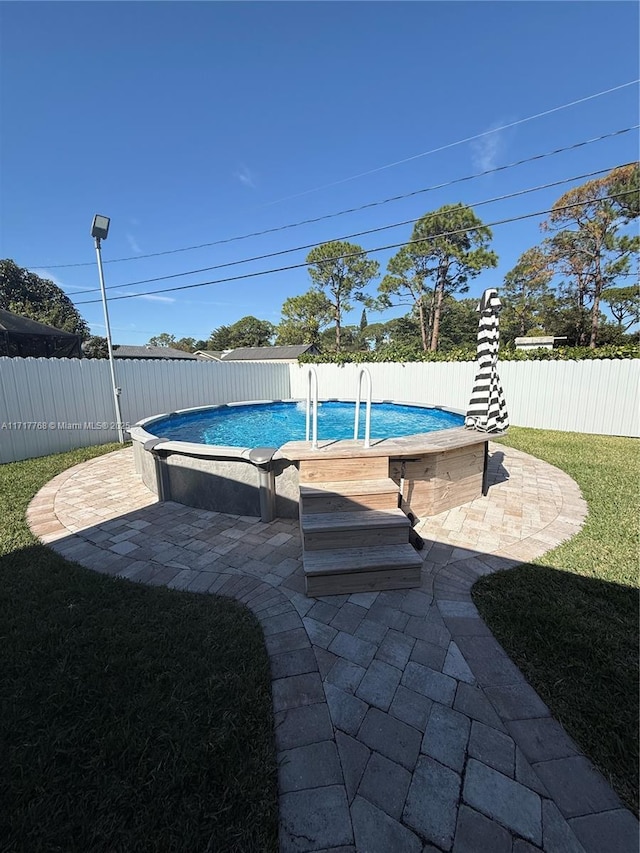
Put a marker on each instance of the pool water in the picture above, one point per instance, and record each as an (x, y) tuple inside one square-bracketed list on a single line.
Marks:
[(274, 424)]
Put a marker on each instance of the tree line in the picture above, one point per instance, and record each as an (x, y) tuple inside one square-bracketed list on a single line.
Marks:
[(586, 251), (556, 288)]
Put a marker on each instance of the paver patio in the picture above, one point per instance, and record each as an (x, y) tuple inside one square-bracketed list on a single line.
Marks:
[(401, 725)]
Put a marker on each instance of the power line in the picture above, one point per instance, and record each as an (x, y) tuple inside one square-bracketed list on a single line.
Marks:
[(346, 211), (363, 252), (346, 236), (454, 144)]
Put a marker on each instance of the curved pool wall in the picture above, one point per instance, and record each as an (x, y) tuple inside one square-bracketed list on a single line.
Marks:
[(212, 477), (241, 481)]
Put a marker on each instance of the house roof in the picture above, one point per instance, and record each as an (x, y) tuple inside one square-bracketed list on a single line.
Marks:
[(150, 352), (10, 322), (266, 353), (239, 354), (25, 338), (531, 342), (212, 355)]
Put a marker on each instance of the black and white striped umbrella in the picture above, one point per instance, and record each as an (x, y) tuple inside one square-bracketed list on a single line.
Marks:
[(487, 409)]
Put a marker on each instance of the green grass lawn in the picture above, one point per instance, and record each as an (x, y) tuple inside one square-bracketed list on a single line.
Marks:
[(132, 718), (570, 619)]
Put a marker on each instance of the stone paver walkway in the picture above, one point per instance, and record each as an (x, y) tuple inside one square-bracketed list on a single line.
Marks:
[(401, 725)]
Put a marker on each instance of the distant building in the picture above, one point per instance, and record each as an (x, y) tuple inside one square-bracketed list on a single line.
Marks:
[(540, 342), (281, 354), (21, 337), (209, 354), (148, 352)]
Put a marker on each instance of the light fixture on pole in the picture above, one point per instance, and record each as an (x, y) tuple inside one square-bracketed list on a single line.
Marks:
[(100, 230)]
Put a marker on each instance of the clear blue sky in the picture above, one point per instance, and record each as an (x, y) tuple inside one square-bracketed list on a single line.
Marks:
[(188, 123)]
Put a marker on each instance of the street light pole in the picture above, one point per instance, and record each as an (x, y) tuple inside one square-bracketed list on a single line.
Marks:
[(99, 231)]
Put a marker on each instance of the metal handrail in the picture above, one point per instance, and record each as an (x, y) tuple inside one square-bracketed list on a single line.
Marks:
[(367, 423), (312, 380)]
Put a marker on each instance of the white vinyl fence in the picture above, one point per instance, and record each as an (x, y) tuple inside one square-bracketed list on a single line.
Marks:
[(435, 383), (598, 396), (48, 405), (51, 405)]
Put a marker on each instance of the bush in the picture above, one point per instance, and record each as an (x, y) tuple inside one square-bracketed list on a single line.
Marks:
[(408, 352)]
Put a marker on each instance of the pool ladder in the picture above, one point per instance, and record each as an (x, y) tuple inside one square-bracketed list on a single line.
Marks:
[(364, 372), (311, 430), (312, 387)]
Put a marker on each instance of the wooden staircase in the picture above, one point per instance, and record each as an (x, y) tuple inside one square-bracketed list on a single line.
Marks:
[(355, 538)]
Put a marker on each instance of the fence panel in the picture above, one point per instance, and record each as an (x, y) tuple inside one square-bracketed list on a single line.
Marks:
[(150, 388), (42, 399), (598, 396), (436, 383), (52, 405), (595, 396)]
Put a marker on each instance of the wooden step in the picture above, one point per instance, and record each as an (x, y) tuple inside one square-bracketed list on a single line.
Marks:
[(349, 495), (322, 470), (347, 570), (360, 528), (349, 560)]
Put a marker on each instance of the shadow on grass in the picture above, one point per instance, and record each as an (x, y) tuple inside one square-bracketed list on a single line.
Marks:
[(575, 639), (134, 718)]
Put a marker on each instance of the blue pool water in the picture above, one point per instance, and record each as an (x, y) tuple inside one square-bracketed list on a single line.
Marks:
[(273, 424)]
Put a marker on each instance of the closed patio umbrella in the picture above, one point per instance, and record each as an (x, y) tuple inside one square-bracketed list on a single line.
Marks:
[(487, 410)]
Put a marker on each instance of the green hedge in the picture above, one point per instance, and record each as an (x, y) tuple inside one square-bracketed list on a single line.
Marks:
[(408, 353)]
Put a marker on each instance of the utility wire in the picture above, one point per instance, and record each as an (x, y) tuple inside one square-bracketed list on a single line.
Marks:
[(454, 144), (346, 236), (364, 251), (349, 210)]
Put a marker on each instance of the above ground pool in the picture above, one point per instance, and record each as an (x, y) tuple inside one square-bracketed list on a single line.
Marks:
[(274, 424), (245, 457)]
